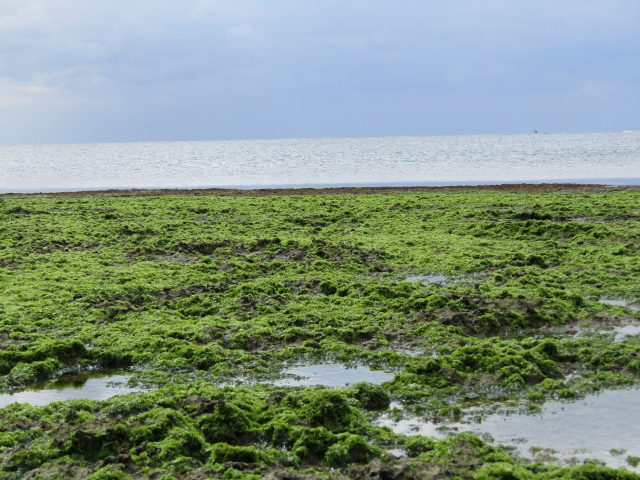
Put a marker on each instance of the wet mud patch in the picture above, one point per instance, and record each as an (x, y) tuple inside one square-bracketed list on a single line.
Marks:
[(48, 245), (270, 249), (127, 303), (19, 210), (339, 253), (522, 188), (479, 314), (181, 258)]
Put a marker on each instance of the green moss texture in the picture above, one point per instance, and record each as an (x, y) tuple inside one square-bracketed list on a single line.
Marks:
[(194, 292)]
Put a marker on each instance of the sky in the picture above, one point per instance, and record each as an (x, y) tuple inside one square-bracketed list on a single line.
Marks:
[(78, 71)]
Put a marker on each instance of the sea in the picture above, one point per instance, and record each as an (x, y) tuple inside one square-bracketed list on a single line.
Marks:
[(611, 158)]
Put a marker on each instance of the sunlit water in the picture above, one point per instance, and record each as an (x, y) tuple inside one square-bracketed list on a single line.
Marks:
[(589, 428), (465, 159)]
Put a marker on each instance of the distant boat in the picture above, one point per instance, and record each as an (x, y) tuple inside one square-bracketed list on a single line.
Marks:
[(534, 131)]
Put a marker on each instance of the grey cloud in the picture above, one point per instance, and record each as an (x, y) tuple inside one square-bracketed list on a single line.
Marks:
[(234, 69)]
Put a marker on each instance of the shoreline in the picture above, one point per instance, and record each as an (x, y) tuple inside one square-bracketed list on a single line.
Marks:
[(263, 192)]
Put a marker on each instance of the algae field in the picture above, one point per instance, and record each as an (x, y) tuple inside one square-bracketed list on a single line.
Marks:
[(315, 336)]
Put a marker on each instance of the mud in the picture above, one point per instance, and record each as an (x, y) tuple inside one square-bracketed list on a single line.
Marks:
[(263, 192)]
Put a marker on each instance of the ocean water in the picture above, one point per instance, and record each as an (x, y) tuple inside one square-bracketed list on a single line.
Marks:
[(611, 158)]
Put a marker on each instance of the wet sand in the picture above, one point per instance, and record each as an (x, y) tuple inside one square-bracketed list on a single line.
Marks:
[(263, 192)]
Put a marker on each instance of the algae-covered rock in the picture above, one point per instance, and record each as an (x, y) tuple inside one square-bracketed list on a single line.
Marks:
[(419, 444), (325, 408), (24, 460), (195, 293), (226, 423), (589, 471), (223, 452), (93, 444), (109, 473), (177, 442), (371, 397), (313, 444), (350, 449)]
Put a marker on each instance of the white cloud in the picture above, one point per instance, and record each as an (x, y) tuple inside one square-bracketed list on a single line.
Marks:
[(12, 94), (32, 18)]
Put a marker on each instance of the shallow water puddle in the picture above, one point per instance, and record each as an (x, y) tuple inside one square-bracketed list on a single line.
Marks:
[(622, 332), (71, 387), (330, 375), (445, 280), (415, 352), (426, 280), (634, 307), (590, 428)]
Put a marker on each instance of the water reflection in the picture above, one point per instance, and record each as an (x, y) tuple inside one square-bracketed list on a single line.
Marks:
[(617, 302), (71, 387), (329, 375), (622, 332), (427, 279), (599, 427)]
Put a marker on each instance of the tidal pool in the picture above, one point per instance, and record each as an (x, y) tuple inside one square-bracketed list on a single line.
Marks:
[(330, 375), (622, 332), (71, 386), (445, 280), (426, 279), (605, 427), (634, 307)]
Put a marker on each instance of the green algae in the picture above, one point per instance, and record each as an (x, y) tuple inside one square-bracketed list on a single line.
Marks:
[(259, 428), (196, 290)]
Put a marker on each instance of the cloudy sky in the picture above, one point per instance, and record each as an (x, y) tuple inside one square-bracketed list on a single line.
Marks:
[(151, 70)]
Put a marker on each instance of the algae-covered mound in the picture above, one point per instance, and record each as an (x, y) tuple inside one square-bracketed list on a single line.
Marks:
[(468, 298)]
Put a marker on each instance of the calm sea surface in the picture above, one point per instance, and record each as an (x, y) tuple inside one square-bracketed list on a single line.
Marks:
[(612, 158)]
